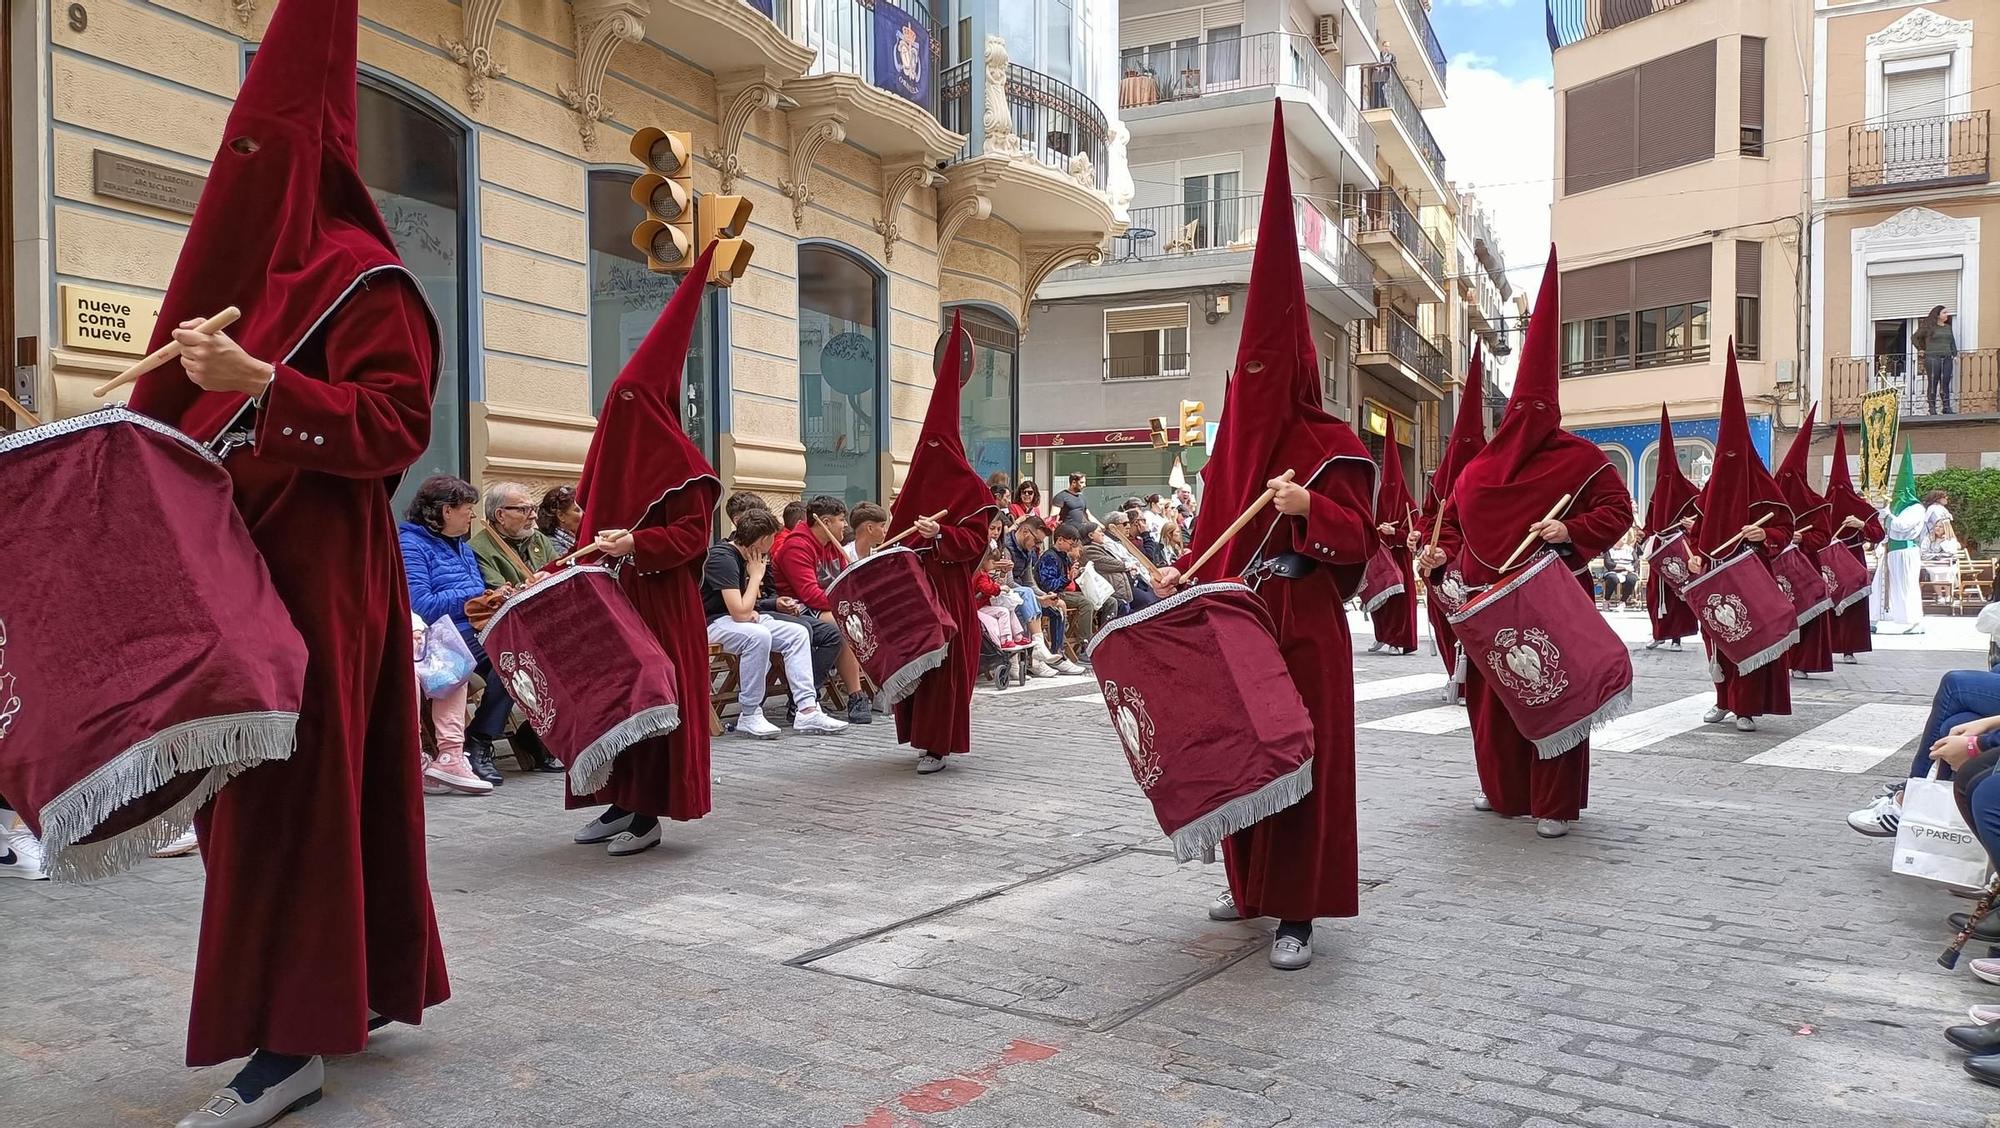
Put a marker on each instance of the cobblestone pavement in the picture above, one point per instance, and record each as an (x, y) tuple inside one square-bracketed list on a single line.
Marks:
[(845, 943)]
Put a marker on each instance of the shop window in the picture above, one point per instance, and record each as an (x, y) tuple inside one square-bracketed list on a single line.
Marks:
[(841, 384), (988, 415)]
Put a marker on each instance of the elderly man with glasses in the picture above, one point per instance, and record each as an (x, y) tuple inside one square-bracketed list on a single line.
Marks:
[(509, 546)]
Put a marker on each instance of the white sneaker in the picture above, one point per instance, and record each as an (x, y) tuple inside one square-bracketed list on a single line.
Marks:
[(927, 763), (20, 854), (1041, 669), (1551, 828), (751, 722), (1981, 1015), (1746, 724), (818, 721), (1715, 716), (1988, 970), (1481, 803), (1878, 819), (1065, 666), (180, 847), (625, 843)]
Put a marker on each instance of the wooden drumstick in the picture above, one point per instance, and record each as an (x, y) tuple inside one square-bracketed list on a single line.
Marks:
[(1731, 542), (19, 411), (166, 352), (891, 542), (1236, 526), (603, 534), (1530, 538), (1152, 573)]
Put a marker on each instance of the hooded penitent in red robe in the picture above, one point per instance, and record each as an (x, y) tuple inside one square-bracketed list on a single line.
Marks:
[(1849, 630), (937, 718), (643, 473), (1812, 528), (318, 905), (1526, 468), (1675, 500), (1396, 620), (1738, 492), (1468, 438), (1302, 862)]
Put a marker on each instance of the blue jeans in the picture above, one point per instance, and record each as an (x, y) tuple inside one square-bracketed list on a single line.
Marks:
[(1978, 795), (1962, 695)]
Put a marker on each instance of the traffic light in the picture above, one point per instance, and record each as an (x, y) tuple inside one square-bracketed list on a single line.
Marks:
[(1159, 427), (666, 192), (723, 219), (1194, 429)]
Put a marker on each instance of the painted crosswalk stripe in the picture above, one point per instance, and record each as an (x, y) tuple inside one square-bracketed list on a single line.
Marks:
[(1398, 687), (1429, 722), (1853, 742), (1093, 698), (1634, 731)]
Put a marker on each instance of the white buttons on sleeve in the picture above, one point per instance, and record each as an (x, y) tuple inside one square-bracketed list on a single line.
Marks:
[(288, 430), (319, 440)]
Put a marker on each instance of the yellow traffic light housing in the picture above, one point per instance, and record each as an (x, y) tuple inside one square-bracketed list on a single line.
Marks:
[(665, 191), (722, 220), (1194, 429), (1158, 425)]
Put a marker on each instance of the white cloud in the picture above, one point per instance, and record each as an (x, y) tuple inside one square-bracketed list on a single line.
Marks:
[(1498, 135)]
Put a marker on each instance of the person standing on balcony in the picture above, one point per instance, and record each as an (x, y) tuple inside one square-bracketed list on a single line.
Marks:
[(1939, 346)]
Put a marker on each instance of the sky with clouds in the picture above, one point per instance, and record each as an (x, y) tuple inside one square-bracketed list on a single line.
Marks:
[(1498, 130)]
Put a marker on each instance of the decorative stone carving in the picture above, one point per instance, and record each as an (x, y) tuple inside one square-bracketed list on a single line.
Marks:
[(1917, 224), (1119, 188), (1046, 259), (896, 185), (1083, 172), (953, 216), (999, 122), (1921, 25), (601, 26), (245, 12), (806, 146), (473, 48), (735, 102)]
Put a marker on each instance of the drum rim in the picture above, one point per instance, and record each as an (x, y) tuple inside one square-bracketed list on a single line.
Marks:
[(1716, 568), (1478, 601), (875, 555), (1162, 607), (1661, 544), (102, 417), (519, 598)]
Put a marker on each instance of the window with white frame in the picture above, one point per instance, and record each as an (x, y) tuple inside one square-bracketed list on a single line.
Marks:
[(1146, 342)]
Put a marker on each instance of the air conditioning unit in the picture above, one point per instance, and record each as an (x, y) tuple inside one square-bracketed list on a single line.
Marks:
[(1326, 35)]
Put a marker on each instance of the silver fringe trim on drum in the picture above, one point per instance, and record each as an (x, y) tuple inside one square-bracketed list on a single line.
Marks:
[(903, 682), (224, 746), (1562, 740), (1815, 611), (1381, 597), (590, 771), (1199, 838), (1845, 605), (1756, 661)]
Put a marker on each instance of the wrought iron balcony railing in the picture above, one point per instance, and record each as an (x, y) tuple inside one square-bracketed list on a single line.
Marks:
[(1393, 334), (1383, 210), (1570, 21), (1382, 89), (1973, 387), (844, 32), (1421, 20), (1053, 121), (1903, 156), (1229, 223), (1273, 58)]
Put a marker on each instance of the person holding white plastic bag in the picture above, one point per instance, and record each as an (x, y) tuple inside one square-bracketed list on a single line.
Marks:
[(1963, 698), (450, 771)]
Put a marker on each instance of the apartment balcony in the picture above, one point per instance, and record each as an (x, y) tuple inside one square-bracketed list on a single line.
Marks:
[(1399, 245), (1046, 173), (1229, 84), (886, 105), (1975, 384), (1392, 350), (1208, 243), (1401, 135), (1570, 21), (1483, 311), (730, 38), (1405, 32), (1910, 156)]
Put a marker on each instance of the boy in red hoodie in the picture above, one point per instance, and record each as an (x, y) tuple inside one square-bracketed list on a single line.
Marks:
[(805, 561)]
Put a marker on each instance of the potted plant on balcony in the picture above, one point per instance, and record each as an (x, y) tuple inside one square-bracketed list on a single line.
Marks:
[(1138, 88)]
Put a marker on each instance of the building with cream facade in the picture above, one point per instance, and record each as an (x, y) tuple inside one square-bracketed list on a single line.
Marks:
[(904, 161)]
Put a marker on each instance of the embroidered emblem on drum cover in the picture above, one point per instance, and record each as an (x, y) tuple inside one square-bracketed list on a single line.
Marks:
[(1784, 585), (1528, 664), (1135, 732), (1452, 591), (859, 627), (10, 704), (529, 688), (1826, 577), (1727, 616), (1675, 568)]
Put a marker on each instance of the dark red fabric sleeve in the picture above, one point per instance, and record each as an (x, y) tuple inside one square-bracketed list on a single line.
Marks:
[(1337, 527), (372, 417), (673, 543), (1600, 517), (957, 544)]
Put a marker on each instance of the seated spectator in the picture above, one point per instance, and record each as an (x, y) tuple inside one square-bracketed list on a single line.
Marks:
[(510, 539), (448, 771), (732, 585), (803, 565), (869, 524), (1117, 531), (1963, 698), (1056, 571), (1003, 496), (1173, 542), (1003, 640), (1621, 577), (442, 575), (741, 502), (558, 516), (1099, 557), (789, 521), (1027, 500), (1145, 536), (1023, 546), (1155, 514)]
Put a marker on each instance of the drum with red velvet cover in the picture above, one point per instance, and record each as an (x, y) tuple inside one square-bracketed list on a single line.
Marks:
[(885, 605), (1799, 578), (1381, 581), (1744, 615)]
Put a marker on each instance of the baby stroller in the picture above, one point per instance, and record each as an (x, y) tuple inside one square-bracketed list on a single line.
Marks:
[(1003, 644)]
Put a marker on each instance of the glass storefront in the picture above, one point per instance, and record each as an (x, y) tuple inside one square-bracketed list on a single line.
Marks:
[(841, 383), (1112, 474), (987, 411)]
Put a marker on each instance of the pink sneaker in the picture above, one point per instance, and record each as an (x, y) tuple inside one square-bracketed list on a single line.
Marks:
[(451, 772)]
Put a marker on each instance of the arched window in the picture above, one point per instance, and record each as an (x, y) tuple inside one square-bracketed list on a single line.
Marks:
[(988, 414), (841, 384), (626, 300), (1686, 449), (413, 161)]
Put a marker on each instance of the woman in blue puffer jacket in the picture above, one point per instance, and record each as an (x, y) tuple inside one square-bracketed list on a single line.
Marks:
[(443, 574)]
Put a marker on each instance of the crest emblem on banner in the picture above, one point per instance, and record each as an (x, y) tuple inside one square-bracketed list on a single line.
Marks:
[(1784, 585), (529, 688), (858, 626), (1727, 616), (1676, 569), (1826, 574), (1528, 664), (1135, 732), (9, 703)]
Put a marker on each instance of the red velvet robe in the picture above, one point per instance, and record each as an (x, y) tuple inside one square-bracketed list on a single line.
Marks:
[(1439, 616), (667, 776), (1847, 632), (1303, 862), (318, 903), (1767, 690), (1814, 653), (1396, 620), (1672, 618), (1516, 780), (937, 718)]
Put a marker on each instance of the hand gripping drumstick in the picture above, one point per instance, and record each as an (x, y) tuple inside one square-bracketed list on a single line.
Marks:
[(1731, 542), (166, 352), (891, 542), (602, 534), (1530, 538), (1236, 526)]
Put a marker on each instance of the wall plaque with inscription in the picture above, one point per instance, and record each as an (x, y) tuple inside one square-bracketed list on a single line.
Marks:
[(144, 182), (115, 321)]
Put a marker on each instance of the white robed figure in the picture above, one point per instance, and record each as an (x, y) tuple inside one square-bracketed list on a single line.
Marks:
[(1897, 595)]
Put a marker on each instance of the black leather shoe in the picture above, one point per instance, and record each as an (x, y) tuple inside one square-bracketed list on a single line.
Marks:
[(479, 756), (1988, 931), (1984, 1068), (1977, 1040)]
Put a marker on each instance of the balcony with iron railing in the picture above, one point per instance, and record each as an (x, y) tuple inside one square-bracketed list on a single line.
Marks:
[(1571, 21), (1170, 77), (1972, 389), (1907, 156), (846, 35), (1054, 123), (1408, 36), (1397, 241), (1400, 130), (1391, 347)]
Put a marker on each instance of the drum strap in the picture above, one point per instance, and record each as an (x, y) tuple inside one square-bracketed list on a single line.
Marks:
[(1285, 566)]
